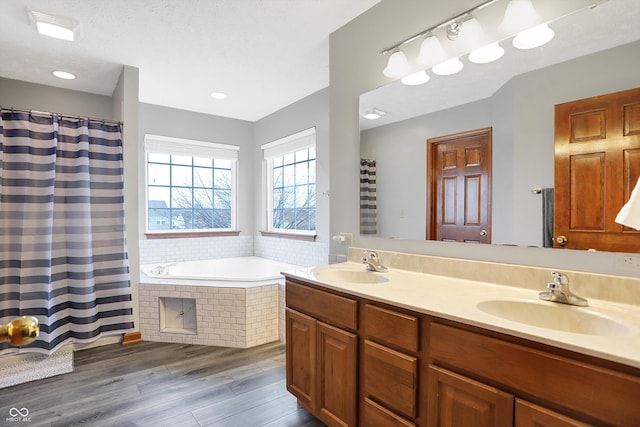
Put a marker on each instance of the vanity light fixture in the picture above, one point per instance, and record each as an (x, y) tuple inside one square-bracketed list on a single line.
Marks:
[(489, 53), (470, 34), (415, 79), (519, 15), (64, 75), (533, 37), (465, 35), (448, 68), (219, 95), (398, 66), (373, 114), (431, 51), (55, 26)]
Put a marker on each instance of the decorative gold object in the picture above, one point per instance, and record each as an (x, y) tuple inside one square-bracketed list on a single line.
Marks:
[(20, 331)]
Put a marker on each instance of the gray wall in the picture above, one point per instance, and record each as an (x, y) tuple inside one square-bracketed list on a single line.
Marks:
[(356, 67), (31, 96), (158, 120), (521, 114), (312, 111)]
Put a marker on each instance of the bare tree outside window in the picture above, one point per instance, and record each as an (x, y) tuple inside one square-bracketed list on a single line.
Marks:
[(294, 190), (197, 194)]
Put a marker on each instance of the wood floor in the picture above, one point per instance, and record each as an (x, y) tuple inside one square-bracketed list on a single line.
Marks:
[(159, 384)]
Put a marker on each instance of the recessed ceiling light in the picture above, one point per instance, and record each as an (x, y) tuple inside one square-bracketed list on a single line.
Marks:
[(373, 114), (64, 75), (55, 26), (219, 95)]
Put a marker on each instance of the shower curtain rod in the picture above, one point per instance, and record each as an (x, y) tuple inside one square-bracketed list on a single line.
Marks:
[(46, 113)]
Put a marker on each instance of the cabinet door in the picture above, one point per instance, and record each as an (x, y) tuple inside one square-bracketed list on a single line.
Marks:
[(454, 400), (337, 371), (301, 357), (530, 415)]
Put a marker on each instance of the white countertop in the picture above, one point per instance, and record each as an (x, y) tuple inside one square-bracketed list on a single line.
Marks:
[(457, 299)]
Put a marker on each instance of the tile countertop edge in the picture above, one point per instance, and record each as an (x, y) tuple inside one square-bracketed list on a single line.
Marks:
[(620, 348)]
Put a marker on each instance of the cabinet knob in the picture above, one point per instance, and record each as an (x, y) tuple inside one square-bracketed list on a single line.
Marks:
[(483, 233), (562, 240)]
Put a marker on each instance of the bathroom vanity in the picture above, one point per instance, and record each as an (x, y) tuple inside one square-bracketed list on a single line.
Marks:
[(412, 349)]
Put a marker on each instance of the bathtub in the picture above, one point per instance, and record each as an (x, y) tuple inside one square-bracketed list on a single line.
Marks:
[(223, 272), (227, 302)]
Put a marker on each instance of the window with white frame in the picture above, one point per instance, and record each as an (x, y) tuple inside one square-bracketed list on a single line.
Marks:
[(291, 182), (190, 185)]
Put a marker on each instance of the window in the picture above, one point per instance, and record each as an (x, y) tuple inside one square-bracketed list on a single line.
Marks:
[(291, 182), (190, 184)]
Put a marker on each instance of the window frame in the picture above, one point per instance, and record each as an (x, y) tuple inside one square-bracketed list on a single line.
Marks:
[(157, 144), (290, 144)]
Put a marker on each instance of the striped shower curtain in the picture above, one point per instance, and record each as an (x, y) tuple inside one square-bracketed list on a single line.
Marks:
[(63, 255), (368, 209)]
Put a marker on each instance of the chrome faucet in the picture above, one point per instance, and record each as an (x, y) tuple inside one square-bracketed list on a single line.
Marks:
[(371, 261), (558, 291)]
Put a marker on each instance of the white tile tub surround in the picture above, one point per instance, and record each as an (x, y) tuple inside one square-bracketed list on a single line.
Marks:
[(298, 252), (226, 317), (189, 249)]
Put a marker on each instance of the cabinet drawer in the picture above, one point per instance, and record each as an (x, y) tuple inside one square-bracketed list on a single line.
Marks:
[(376, 415), (333, 309), (391, 327), (391, 378), (597, 392)]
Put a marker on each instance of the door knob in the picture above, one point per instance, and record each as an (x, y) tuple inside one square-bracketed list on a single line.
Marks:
[(20, 331), (483, 233), (562, 240)]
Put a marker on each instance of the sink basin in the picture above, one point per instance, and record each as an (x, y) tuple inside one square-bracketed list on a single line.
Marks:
[(560, 317), (350, 275)]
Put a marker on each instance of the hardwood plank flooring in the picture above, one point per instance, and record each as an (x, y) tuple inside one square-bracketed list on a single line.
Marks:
[(161, 384)]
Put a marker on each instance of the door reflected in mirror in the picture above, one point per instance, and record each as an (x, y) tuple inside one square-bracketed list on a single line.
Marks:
[(515, 97)]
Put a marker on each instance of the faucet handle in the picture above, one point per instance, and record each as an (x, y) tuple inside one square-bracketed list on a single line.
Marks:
[(557, 284)]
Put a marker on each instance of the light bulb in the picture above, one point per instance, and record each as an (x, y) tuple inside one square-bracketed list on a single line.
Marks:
[(489, 53), (415, 79), (533, 37), (448, 68)]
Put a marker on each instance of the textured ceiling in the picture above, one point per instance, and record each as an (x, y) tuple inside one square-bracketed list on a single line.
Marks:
[(265, 54)]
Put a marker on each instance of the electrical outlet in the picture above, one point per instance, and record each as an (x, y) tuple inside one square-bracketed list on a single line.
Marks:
[(628, 262)]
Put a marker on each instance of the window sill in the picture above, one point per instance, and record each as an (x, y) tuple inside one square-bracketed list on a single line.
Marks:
[(190, 234), (292, 236)]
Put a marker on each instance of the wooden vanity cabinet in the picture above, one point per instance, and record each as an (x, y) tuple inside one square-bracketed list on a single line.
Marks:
[(553, 387), (389, 369), (352, 361), (322, 353)]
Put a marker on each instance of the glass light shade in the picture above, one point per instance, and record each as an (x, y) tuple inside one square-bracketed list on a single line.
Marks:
[(448, 68), (431, 52), (470, 35), (64, 75), (398, 66), (519, 15), (415, 79), (489, 53), (55, 31), (533, 37)]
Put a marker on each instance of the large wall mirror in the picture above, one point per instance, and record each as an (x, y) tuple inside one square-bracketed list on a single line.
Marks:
[(594, 52)]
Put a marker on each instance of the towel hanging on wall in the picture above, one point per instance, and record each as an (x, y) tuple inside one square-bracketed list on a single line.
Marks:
[(629, 215)]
